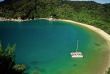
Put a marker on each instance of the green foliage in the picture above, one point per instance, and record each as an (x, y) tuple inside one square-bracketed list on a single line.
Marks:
[(88, 12), (20, 68), (9, 50), (7, 61)]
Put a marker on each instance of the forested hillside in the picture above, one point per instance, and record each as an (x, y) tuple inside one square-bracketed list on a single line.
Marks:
[(88, 12)]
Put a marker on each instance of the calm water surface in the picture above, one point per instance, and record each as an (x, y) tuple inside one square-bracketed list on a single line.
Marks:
[(45, 46)]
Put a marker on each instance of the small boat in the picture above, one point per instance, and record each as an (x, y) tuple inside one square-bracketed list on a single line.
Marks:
[(76, 54)]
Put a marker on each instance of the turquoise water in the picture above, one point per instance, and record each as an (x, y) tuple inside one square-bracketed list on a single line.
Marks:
[(45, 46)]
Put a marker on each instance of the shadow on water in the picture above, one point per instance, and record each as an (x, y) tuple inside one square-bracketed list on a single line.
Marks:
[(28, 67), (75, 65), (42, 70), (97, 44), (33, 66), (34, 63)]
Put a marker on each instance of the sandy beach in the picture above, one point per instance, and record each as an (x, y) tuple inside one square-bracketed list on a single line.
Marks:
[(103, 34), (97, 30)]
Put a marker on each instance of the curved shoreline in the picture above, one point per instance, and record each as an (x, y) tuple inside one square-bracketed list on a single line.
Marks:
[(21, 20), (102, 34), (97, 30)]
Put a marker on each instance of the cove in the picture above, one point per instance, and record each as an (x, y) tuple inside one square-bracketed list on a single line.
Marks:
[(45, 47)]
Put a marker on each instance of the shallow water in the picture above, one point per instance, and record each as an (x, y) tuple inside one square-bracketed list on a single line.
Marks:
[(45, 46)]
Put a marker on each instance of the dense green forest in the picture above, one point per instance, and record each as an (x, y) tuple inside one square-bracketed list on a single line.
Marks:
[(88, 12)]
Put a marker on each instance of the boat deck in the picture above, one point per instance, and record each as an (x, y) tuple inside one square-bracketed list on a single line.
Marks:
[(76, 55)]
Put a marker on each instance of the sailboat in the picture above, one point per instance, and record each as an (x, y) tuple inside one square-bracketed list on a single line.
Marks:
[(76, 54)]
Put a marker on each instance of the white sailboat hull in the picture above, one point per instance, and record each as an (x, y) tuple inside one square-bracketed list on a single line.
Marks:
[(76, 55)]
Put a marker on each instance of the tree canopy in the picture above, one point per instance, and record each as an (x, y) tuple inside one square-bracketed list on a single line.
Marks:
[(88, 12)]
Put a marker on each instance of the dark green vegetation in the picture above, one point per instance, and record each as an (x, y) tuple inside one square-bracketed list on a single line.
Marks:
[(7, 61), (88, 12)]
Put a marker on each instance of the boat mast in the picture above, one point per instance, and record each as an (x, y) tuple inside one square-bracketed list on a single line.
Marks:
[(77, 46)]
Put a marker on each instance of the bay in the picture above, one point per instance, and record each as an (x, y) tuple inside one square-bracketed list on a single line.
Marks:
[(45, 46)]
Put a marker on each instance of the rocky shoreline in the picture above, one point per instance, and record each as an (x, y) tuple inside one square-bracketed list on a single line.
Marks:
[(21, 20), (13, 20)]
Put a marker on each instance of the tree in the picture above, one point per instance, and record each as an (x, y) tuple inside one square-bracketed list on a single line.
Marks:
[(7, 61)]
